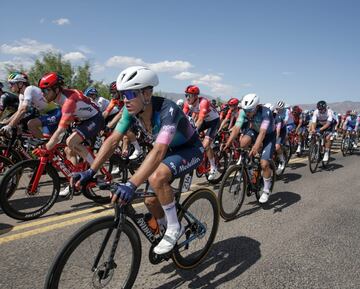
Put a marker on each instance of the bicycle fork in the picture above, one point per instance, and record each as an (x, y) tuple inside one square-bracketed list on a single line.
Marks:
[(34, 184)]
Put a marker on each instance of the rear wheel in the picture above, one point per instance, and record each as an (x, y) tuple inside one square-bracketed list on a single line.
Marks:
[(199, 214), (345, 143), (314, 156), (222, 162), (16, 197)]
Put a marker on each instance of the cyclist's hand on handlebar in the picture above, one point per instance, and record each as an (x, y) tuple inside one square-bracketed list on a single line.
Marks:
[(125, 192), (80, 179), (7, 130), (254, 150)]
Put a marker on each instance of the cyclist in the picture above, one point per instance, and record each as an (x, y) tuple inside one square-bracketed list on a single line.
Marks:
[(224, 108), (297, 113), (259, 130), (31, 97), (206, 119), (177, 148), (8, 101), (351, 125), (284, 124), (322, 120), (76, 109), (102, 103), (231, 115)]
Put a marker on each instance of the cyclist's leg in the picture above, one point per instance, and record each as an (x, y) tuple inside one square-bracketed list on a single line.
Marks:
[(175, 164), (211, 128), (266, 156)]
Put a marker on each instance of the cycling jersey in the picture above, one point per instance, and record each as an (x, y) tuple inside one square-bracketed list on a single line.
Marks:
[(305, 117), (33, 96), (263, 118), (322, 118), (9, 101), (351, 123), (75, 107), (170, 125), (202, 109), (114, 105)]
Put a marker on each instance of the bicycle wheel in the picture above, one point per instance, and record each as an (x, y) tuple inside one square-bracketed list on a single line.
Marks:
[(75, 265), (222, 163), (5, 164), (15, 197), (232, 192), (199, 214), (345, 146), (314, 156), (11, 153)]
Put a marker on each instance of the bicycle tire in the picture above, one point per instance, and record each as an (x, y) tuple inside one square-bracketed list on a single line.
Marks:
[(53, 278), (190, 261), (16, 172), (313, 156), (345, 146), (239, 199), (14, 155), (5, 164)]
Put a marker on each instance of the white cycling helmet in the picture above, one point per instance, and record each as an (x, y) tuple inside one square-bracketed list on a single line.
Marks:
[(136, 77), (250, 101), (269, 106), (180, 102), (280, 104)]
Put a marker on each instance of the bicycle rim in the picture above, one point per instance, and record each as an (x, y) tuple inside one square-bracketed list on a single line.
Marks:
[(232, 192), (73, 266), (16, 198), (313, 157), (200, 232)]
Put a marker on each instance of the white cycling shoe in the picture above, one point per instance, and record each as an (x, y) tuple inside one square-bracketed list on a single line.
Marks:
[(169, 240), (326, 157), (65, 192), (213, 174), (264, 197), (135, 154)]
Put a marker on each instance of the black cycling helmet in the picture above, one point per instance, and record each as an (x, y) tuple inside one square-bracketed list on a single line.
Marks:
[(321, 105), (1, 85)]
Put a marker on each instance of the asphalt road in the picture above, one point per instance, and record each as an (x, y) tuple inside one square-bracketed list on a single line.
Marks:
[(306, 237)]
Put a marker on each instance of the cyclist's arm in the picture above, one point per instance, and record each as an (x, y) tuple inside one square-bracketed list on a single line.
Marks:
[(223, 124), (107, 149), (345, 123), (234, 133), (115, 120), (109, 108), (18, 115), (55, 138), (299, 125)]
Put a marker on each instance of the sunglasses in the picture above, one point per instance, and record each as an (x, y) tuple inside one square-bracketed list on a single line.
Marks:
[(130, 94), (188, 95)]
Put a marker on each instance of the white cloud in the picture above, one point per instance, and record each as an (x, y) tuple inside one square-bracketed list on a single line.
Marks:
[(166, 66), (84, 49), (27, 47), (186, 75), (207, 78), (124, 61), (97, 68), (15, 63), (163, 66), (74, 56), (61, 21)]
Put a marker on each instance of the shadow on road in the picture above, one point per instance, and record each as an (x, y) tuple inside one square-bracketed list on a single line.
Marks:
[(5, 228), (331, 167), (281, 200), (295, 166), (230, 257), (288, 177)]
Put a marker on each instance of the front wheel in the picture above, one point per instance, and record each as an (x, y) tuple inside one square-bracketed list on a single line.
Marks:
[(16, 197), (345, 144), (84, 261), (199, 214), (232, 192), (314, 156)]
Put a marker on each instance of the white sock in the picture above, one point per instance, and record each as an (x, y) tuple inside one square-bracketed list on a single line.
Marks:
[(136, 145), (282, 158), (212, 164), (267, 184), (171, 216), (89, 159)]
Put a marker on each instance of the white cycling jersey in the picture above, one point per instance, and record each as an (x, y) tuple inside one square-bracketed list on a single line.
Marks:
[(33, 97), (322, 118), (103, 103)]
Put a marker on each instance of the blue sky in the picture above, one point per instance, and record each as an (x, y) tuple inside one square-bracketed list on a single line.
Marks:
[(300, 51)]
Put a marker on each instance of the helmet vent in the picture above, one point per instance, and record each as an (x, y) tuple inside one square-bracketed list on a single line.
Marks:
[(132, 75)]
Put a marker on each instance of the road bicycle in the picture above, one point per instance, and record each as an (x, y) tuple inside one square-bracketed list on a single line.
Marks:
[(106, 253), (244, 177), (316, 151), (31, 187), (347, 144)]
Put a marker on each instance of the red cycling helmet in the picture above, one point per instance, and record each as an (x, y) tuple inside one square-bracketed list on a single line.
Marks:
[(297, 109), (112, 86), (50, 80), (233, 101), (192, 89)]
